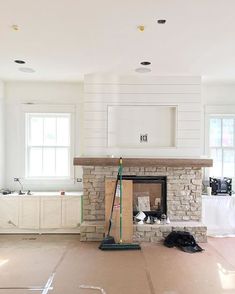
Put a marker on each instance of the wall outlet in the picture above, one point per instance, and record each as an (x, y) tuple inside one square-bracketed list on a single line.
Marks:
[(143, 138)]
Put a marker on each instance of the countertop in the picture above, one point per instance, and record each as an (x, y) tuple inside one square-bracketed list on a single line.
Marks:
[(74, 193)]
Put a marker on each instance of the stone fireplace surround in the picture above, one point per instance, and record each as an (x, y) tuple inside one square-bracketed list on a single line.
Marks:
[(184, 188)]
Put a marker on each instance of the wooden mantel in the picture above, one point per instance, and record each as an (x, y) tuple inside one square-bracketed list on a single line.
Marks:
[(143, 162)]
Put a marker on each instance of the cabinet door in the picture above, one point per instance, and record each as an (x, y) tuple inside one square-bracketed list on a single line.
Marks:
[(71, 212), (29, 212), (50, 217), (9, 212)]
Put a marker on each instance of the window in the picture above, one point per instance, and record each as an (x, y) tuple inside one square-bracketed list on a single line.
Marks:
[(48, 145), (222, 146)]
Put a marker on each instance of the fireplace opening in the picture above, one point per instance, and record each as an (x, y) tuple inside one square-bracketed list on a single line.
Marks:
[(149, 194)]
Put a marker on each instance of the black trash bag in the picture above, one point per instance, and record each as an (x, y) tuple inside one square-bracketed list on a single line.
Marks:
[(183, 240), (171, 240)]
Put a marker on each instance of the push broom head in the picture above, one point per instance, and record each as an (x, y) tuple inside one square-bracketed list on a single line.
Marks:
[(120, 246)]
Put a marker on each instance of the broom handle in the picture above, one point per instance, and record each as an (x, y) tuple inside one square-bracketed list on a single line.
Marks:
[(120, 174), (114, 197)]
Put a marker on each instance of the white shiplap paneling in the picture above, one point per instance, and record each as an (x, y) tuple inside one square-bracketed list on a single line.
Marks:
[(183, 92), (134, 97)]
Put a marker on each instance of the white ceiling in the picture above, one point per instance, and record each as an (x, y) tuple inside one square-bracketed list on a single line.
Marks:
[(65, 39)]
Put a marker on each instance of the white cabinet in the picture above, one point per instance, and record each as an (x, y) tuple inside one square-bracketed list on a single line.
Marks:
[(51, 212), (29, 213), (71, 212), (9, 216), (40, 214)]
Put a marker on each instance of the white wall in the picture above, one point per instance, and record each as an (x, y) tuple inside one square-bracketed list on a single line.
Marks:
[(183, 92), (53, 93), (2, 137), (101, 91), (218, 94), (217, 98)]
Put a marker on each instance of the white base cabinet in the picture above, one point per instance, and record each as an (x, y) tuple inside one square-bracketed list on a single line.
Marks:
[(9, 212), (71, 212), (29, 216), (51, 213), (40, 214)]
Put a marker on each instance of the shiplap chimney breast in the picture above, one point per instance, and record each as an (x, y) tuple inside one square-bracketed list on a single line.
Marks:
[(103, 91)]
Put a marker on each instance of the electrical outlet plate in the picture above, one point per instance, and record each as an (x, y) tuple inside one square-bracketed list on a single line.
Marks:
[(143, 138)]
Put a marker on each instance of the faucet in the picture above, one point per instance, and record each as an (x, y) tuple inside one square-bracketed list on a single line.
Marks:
[(21, 186)]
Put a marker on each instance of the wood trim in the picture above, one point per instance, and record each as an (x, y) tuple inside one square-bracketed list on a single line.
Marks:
[(143, 162)]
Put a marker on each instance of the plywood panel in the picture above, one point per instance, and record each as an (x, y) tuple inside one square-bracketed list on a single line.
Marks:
[(127, 210)]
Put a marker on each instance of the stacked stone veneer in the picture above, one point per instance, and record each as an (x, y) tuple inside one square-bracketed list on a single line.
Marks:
[(184, 186), (157, 233)]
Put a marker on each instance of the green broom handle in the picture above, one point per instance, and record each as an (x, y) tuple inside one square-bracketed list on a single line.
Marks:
[(120, 174)]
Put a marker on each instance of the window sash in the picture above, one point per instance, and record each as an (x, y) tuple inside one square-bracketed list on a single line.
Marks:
[(223, 168), (43, 149)]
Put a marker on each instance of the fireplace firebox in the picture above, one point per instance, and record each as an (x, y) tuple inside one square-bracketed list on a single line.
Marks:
[(149, 194)]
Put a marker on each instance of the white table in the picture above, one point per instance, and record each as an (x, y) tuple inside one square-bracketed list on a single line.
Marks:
[(218, 214)]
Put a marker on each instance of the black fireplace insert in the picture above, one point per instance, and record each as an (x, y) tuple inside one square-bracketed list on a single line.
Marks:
[(153, 188)]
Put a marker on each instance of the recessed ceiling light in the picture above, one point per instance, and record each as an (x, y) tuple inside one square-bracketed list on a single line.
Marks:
[(141, 28), (19, 61), (145, 63), (142, 70), (15, 27), (161, 21), (26, 69)]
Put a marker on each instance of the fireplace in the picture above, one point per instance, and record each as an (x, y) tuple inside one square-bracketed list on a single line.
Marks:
[(178, 181), (149, 194)]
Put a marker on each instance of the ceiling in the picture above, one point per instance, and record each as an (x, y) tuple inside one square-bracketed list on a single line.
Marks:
[(64, 39)]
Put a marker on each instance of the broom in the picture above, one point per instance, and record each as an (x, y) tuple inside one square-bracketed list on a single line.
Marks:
[(108, 242)]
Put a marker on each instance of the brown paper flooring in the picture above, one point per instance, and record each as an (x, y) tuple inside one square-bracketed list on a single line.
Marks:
[(26, 261)]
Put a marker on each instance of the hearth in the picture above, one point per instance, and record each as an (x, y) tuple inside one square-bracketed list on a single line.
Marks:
[(149, 194)]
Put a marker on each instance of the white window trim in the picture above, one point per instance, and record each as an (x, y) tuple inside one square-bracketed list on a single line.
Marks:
[(210, 111), (48, 108)]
